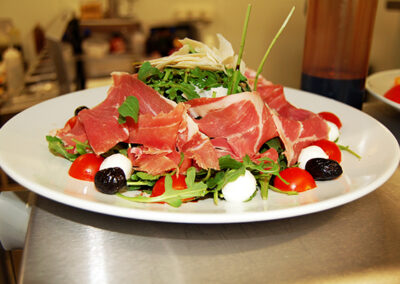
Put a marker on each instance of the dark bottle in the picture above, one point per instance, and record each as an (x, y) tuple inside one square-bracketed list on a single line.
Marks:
[(336, 50)]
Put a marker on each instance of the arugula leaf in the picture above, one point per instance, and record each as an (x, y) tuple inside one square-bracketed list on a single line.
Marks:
[(227, 162), (146, 176), (347, 148), (146, 71), (235, 80), (284, 192), (130, 107), (82, 148), (275, 143), (264, 185), (180, 85), (260, 67), (172, 196), (57, 147)]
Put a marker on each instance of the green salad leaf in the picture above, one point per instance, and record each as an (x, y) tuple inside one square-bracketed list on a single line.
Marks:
[(57, 147), (172, 196), (181, 85), (129, 108)]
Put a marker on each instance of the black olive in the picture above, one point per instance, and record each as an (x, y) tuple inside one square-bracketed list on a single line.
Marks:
[(110, 180), (323, 169), (78, 109)]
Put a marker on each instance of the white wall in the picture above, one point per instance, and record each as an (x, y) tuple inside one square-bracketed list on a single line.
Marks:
[(385, 49), (284, 63)]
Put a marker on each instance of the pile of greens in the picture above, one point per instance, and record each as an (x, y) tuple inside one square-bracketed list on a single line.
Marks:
[(180, 85)]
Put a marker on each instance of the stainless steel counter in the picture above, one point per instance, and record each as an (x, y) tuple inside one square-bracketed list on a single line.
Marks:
[(355, 243)]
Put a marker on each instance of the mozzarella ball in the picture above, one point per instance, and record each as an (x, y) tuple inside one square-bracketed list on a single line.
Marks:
[(333, 131), (213, 92), (120, 161), (309, 153), (241, 189)]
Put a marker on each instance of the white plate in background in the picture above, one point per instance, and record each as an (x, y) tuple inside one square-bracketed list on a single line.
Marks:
[(379, 83)]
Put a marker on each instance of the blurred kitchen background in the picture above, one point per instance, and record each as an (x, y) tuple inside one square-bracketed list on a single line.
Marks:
[(75, 44), (52, 47)]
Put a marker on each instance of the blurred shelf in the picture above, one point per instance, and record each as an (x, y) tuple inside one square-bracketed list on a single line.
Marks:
[(109, 24), (25, 100)]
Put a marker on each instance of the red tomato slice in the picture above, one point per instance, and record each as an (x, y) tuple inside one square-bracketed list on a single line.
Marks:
[(178, 183), (393, 94), (330, 148), (331, 117), (71, 122), (85, 167), (299, 180)]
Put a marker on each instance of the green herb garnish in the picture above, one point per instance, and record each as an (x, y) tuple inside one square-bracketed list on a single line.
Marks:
[(172, 196), (57, 147), (129, 108), (236, 74), (260, 67)]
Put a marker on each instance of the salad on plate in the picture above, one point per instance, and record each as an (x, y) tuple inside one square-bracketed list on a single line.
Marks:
[(199, 124)]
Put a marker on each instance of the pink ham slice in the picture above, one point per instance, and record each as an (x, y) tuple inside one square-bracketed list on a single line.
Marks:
[(158, 132), (238, 124), (150, 101), (196, 145), (69, 135), (153, 163), (297, 128), (101, 122), (156, 129), (104, 131)]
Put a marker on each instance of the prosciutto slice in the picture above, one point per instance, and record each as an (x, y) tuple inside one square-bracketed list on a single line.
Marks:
[(297, 128), (238, 124), (101, 123), (163, 128), (71, 133), (158, 132)]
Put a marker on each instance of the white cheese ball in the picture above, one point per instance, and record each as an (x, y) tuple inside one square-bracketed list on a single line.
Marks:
[(213, 92), (241, 189), (309, 153), (333, 131), (120, 161)]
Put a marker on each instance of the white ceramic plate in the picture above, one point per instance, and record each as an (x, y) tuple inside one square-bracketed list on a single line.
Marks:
[(25, 157), (379, 83)]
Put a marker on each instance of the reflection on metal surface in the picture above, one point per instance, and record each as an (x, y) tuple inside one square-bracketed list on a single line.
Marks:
[(97, 257)]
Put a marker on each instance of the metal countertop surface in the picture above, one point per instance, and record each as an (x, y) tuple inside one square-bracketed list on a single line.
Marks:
[(355, 243)]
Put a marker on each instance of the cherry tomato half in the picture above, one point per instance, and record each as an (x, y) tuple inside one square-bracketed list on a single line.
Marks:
[(178, 183), (330, 148), (85, 167), (393, 94), (299, 180), (71, 122), (331, 117)]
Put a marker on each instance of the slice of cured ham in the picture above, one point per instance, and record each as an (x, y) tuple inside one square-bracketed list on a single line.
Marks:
[(164, 127), (73, 131), (238, 124), (158, 132), (150, 101), (101, 123), (297, 127)]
